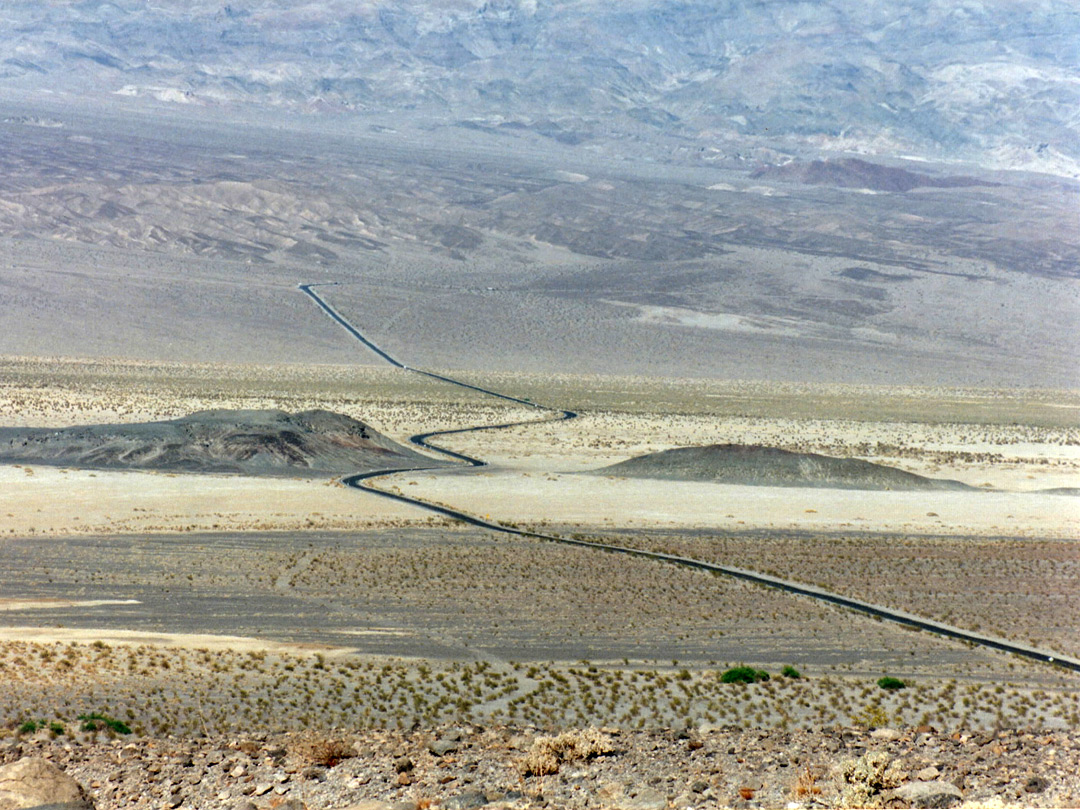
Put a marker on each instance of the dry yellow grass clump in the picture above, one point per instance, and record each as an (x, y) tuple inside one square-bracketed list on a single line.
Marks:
[(548, 753)]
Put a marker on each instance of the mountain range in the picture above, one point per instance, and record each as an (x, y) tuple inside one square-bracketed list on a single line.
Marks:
[(992, 82)]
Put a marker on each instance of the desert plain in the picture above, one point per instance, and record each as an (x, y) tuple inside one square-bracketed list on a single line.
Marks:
[(187, 603)]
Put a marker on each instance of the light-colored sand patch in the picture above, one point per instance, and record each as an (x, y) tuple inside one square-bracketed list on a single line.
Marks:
[(132, 638), (594, 501), (51, 604), (725, 321), (50, 501)]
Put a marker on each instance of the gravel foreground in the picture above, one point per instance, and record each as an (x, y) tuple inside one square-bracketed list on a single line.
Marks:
[(508, 767)]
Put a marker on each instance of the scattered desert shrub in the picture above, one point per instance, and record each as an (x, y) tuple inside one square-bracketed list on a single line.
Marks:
[(864, 779), (326, 752), (548, 753), (806, 785), (891, 683), (790, 672), (744, 675)]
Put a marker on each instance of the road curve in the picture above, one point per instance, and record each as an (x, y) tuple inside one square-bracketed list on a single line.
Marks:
[(421, 439), (362, 481)]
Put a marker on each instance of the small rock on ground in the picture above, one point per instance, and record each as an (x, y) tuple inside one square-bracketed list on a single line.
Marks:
[(927, 794), (647, 799)]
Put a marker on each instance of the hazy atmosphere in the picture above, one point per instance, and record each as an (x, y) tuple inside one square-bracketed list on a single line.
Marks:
[(539, 403)]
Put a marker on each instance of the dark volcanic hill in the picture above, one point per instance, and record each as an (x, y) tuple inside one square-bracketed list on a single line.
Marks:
[(861, 174), (252, 442), (769, 466)]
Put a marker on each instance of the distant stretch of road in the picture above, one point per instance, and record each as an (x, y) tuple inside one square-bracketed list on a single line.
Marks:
[(363, 481), (421, 439)]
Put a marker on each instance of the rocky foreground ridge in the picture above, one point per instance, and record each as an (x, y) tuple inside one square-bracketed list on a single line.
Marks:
[(500, 767), (252, 442), (756, 465)]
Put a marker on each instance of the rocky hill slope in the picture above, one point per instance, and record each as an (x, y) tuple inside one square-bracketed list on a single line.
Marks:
[(770, 466), (266, 442), (490, 767)]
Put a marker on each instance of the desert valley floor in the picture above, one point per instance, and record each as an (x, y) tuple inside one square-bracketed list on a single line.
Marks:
[(202, 603)]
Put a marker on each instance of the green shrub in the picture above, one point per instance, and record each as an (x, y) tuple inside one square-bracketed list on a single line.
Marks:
[(56, 728), (29, 727), (744, 675), (96, 722), (891, 683), (790, 672)]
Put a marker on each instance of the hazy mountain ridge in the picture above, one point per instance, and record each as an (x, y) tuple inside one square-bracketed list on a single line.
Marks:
[(586, 169), (994, 82)]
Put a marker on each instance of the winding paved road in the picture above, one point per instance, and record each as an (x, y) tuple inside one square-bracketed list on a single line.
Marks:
[(421, 439), (362, 481)]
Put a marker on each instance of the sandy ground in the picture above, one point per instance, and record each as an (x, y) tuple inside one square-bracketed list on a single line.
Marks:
[(1000, 441), (47, 501)]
